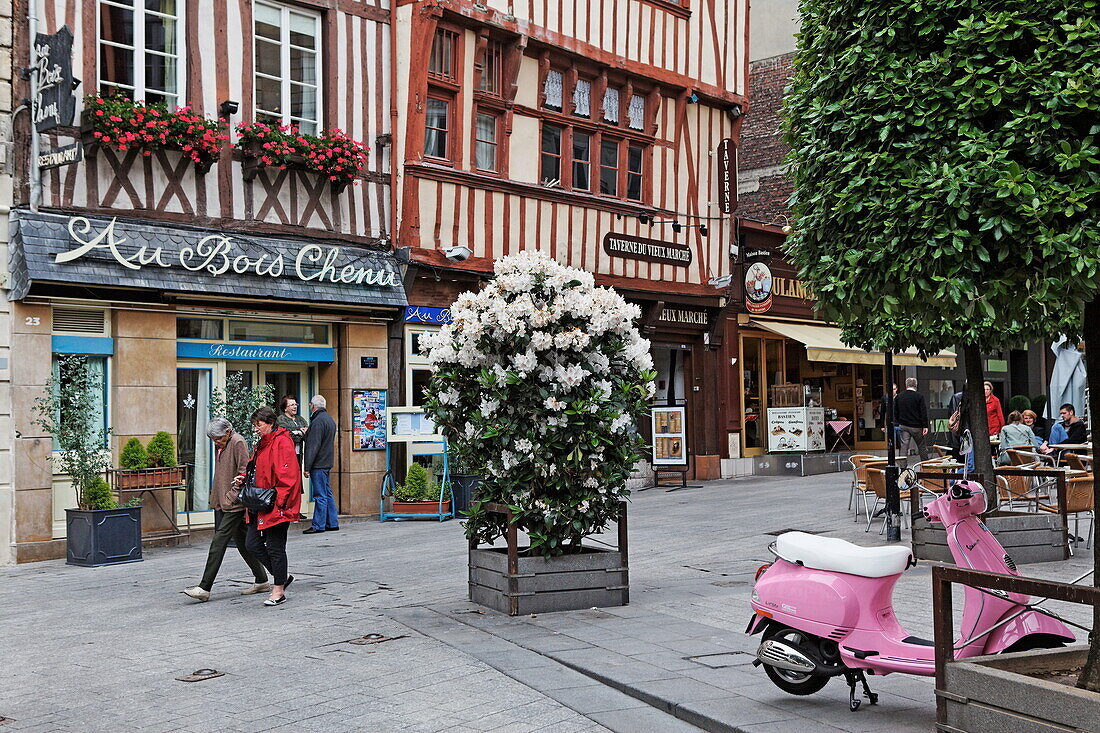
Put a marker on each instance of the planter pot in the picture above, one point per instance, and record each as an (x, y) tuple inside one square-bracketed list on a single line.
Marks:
[(1027, 538), (1007, 692), (97, 537), (251, 165), (420, 507), (463, 487), (595, 577), (92, 145), (149, 478)]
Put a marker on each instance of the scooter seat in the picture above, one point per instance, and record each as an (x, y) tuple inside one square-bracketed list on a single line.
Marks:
[(841, 556)]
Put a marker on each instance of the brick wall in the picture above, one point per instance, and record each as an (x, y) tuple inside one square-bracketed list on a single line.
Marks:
[(762, 188)]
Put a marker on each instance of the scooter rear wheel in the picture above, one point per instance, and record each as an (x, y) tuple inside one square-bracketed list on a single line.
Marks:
[(790, 681)]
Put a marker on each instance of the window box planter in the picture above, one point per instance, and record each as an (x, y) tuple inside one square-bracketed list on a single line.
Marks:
[(420, 507), (1016, 692), (331, 155), (96, 537), (150, 478)]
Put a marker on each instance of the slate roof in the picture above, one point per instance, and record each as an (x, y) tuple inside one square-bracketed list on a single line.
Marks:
[(37, 238)]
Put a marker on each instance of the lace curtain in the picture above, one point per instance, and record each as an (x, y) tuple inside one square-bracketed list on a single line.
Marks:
[(611, 104), (552, 89), (582, 98), (636, 112)]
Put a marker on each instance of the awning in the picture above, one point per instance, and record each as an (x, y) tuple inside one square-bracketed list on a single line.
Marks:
[(823, 344)]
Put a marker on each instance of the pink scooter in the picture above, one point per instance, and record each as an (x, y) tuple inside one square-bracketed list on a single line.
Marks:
[(825, 606)]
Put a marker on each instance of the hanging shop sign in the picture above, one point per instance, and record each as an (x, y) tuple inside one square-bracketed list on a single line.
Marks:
[(111, 252), (424, 314), (758, 287), (368, 419), (727, 176), (252, 352), (648, 250), (64, 155), (53, 102)]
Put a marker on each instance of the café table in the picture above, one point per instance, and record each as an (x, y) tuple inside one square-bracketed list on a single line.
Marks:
[(1072, 446)]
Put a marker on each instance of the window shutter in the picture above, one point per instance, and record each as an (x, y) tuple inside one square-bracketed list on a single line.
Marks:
[(80, 320)]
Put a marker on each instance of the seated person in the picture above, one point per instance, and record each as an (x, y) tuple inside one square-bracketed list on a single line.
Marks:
[(1015, 435), (1076, 432)]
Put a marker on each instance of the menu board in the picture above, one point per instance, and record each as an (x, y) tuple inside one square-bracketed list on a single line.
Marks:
[(669, 436), (796, 429), (411, 425), (368, 419)]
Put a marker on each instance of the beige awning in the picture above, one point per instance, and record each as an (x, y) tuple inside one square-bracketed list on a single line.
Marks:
[(823, 344)]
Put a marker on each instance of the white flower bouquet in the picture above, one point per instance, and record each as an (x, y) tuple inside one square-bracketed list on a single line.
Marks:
[(539, 382)]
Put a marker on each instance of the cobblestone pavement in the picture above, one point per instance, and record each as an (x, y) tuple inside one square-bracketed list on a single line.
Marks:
[(98, 649)]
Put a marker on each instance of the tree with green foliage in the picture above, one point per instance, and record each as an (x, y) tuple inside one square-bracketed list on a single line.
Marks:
[(238, 401), (945, 157), (133, 456), (162, 450), (69, 412)]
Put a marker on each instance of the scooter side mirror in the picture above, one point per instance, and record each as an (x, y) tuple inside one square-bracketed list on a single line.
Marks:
[(907, 478)]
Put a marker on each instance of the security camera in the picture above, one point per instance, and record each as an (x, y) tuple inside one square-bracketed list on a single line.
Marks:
[(458, 253)]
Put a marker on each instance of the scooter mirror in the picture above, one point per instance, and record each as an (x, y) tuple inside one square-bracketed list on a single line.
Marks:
[(906, 478)]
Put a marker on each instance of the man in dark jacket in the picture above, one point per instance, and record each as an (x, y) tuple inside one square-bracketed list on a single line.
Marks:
[(317, 459), (912, 413)]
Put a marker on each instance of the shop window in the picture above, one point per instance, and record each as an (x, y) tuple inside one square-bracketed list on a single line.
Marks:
[(635, 155), (437, 123), (441, 62), (278, 332), (753, 403), (609, 167), (206, 329), (485, 142), (62, 372), (138, 46), (550, 164), (582, 161), (418, 371), (491, 68), (286, 50)]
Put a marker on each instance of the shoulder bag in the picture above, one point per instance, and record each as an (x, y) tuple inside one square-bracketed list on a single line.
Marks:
[(252, 497)]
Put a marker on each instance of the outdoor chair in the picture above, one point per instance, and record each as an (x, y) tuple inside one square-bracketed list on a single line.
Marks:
[(1075, 462), (876, 482), (1020, 457), (935, 485), (943, 451), (1025, 490), (859, 480), (1079, 500)]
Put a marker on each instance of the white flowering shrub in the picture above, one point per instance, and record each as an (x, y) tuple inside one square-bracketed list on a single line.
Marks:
[(539, 382)]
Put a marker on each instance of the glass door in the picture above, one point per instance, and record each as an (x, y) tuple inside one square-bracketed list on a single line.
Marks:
[(193, 388), (870, 407), (291, 380)]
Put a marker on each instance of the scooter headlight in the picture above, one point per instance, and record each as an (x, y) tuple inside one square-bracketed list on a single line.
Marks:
[(755, 596)]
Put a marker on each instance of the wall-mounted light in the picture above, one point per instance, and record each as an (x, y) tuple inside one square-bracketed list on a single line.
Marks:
[(228, 108), (384, 140), (693, 98), (720, 282)]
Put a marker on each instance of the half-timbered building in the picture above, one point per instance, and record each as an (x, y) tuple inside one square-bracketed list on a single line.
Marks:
[(174, 278), (601, 133)]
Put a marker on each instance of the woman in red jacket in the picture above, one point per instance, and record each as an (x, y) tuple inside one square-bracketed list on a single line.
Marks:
[(993, 410), (276, 465)]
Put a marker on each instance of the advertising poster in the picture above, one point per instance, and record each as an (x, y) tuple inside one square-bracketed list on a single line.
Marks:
[(669, 438), (368, 419)]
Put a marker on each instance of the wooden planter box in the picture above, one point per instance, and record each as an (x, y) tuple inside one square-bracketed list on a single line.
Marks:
[(92, 145), (149, 478), (1027, 538), (595, 577), (420, 507), (251, 166), (998, 693), (95, 537)]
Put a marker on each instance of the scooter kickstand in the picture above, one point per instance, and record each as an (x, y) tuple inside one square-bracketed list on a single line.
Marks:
[(871, 696), (853, 700)]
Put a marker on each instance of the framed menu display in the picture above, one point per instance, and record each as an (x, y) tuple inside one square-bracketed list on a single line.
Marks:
[(411, 425), (796, 429), (669, 436), (368, 419)]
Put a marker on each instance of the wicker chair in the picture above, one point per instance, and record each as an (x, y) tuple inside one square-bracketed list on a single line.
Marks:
[(859, 480), (1014, 490), (876, 482), (1079, 500)]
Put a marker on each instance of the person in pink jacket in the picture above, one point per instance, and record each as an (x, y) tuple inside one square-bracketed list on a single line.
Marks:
[(276, 466)]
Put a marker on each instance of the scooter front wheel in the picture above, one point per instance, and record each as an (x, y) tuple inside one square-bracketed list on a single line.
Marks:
[(790, 681)]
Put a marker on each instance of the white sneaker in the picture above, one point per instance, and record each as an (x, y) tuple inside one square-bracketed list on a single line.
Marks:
[(198, 593), (256, 588)]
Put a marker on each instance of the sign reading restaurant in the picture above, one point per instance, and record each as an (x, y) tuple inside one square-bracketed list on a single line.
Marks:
[(649, 250), (218, 253)]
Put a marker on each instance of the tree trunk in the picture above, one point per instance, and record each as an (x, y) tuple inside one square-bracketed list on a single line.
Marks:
[(1090, 675), (978, 420)]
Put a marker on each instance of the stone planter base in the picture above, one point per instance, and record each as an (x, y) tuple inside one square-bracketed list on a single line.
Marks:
[(595, 577), (1027, 538), (997, 693), (97, 537)]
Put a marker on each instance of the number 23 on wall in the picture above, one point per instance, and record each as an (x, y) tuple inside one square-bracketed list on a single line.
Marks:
[(32, 321)]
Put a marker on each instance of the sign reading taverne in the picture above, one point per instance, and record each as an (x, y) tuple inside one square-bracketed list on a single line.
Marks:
[(650, 250)]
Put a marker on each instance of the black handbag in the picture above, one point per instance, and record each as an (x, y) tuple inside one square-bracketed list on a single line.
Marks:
[(252, 497)]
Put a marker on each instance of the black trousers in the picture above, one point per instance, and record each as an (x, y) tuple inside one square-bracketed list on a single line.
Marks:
[(269, 545), (229, 526)]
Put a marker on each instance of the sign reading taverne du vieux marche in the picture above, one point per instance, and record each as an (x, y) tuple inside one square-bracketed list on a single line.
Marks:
[(218, 254)]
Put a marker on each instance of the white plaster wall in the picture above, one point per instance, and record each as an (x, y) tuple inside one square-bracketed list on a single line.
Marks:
[(772, 25)]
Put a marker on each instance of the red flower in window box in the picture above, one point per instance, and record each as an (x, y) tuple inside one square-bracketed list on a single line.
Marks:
[(125, 123), (331, 154)]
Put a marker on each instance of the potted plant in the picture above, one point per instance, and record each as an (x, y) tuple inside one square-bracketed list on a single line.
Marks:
[(150, 467), (465, 478), (331, 153), (542, 378), (98, 531), (420, 494)]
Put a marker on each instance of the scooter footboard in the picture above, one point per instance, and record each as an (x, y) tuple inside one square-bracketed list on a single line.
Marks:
[(1029, 630)]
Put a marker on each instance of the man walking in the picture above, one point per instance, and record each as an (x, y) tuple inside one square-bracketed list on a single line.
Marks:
[(317, 462), (912, 413), (230, 461)]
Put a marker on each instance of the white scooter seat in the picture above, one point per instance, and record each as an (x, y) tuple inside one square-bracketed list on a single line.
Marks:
[(841, 556)]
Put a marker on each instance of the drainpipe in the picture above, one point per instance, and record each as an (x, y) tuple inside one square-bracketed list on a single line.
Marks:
[(394, 127), (35, 172)]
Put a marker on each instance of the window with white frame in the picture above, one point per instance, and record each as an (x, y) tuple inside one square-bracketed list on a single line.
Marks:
[(287, 66), (138, 49)]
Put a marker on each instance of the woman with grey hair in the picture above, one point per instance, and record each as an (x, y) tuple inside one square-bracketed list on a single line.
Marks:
[(231, 459)]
